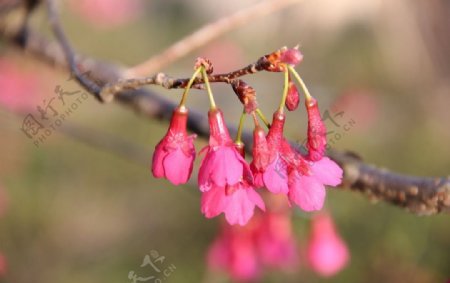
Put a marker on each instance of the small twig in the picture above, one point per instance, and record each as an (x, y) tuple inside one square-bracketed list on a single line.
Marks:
[(53, 18), (111, 89), (206, 34)]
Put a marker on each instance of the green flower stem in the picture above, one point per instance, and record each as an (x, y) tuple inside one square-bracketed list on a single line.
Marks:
[(262, 117), (300, 81), (240, 128), (285, 91), (188, 87), (208, 88)]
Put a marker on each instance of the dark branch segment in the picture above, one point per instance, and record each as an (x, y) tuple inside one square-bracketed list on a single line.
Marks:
[(418, 195)]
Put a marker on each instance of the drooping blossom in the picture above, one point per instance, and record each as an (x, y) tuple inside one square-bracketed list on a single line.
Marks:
[(288, 172), (327, 253), (174, 155), (261, 156), (225, 177), (268, 164), (106, 14), (317, 132)]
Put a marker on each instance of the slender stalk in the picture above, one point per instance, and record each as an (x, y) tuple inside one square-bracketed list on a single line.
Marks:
[(301, 82), (285, 91), (188, 86), (208, 88), (262, 117), (240, 127)]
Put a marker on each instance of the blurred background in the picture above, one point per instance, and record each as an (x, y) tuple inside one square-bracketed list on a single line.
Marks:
[(73, 212)]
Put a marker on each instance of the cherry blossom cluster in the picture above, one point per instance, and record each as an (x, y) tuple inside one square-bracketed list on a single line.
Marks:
[(227, 181)]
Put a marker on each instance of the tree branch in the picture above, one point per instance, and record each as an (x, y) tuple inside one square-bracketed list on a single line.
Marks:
[(416, 194)]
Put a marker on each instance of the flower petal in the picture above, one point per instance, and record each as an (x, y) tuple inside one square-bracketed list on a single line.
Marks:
[(178, 167), (327, 172), (275, 177), (307, 192), (157, 161), (213, 202)]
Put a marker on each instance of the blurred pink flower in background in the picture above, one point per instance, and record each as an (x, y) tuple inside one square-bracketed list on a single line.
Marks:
[(3, 266), (266, 241), (327, 253), (18, 88), (276, 242), (234, 252), (360, 104), (107, 14)]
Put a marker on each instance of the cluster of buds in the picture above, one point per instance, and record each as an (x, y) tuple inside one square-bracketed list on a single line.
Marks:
[(227, 181)]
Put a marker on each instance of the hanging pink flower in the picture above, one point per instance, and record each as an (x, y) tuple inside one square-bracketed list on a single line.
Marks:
[(236, 202), (261, 156), (274, 172), (225, 177), (174, 155), (327, 253), (317, 132)]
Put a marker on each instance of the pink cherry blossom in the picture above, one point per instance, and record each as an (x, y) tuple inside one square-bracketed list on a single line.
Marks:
[(317, 132), (261, 156), (274, 172), (223, 165), (327, 253), (174, 155), (237, 205), (225, 177), (107, 13)]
